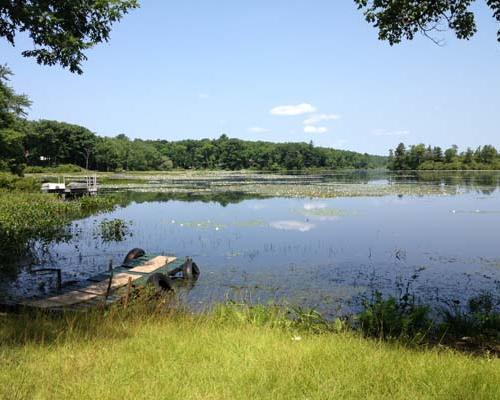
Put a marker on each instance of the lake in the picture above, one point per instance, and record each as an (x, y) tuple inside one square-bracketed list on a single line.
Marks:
[(437, 234)]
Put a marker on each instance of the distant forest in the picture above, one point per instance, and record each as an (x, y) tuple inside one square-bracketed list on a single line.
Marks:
[(51, 143), (422, 157)]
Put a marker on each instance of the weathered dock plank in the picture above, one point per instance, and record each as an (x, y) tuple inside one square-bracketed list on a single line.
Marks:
[(66, 299), (153, 264), (118, 281)]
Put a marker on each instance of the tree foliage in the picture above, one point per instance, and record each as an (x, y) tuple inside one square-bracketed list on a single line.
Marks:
[(430, 158), (61, 30), (12, 110), (50, 143), (12, 105), (403, 19)]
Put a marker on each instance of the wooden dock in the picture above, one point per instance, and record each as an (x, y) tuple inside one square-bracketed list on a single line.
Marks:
[(103, 288)]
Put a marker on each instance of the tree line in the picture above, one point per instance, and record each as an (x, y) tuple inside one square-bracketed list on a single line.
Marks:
[(422, 157), (51, 143), (46, 143)]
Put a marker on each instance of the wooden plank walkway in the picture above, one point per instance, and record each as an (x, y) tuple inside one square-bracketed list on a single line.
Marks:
[(99, 289), (152, 265)]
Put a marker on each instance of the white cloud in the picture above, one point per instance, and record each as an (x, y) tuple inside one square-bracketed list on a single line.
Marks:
[(314, 206), (292, 226), (258, 129), (317, 118), (292, 110), (203, 96), (315, 129), (385, 132)]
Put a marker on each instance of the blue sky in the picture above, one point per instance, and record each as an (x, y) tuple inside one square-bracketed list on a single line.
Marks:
[(194, 69)]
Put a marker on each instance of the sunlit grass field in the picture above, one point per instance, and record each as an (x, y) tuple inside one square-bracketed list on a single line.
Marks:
[(135, 354)]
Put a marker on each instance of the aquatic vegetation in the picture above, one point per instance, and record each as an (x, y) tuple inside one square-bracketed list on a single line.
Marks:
[(113, 230), (29, 217), (480, 318), (321, 184), (391, 317), (252, 223), (11, 182), (311, 186)]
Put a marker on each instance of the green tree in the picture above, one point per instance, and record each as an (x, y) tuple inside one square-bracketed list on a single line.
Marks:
[(468, 156), (416, 155), (59, 142), (403, 19), (488, 154), (451, 154), (61, 30), (12, 151), (12, 111), (438, 154), (400, 157), (12, 106)]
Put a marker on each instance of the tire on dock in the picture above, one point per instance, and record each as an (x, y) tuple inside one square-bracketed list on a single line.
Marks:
[(160, 282), (132, 255), (190, 270)]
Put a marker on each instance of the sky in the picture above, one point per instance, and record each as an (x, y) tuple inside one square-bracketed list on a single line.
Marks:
[(274, 70)]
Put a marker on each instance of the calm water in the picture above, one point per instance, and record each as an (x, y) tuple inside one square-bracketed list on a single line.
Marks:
[(324, 253)]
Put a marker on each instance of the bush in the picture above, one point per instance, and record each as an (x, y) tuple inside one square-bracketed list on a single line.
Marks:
[(393, 318), (12, 182), (63, 168), (479, 319)]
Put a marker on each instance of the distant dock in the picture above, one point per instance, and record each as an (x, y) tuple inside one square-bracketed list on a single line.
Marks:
[(77, 187)]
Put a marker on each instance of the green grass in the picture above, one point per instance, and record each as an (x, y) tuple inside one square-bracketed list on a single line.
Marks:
[(134, 354)]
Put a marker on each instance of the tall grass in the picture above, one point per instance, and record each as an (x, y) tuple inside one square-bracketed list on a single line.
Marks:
[(27, 216), (150, 352)]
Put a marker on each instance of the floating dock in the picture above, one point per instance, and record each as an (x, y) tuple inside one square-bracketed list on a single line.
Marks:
[(106, 288)]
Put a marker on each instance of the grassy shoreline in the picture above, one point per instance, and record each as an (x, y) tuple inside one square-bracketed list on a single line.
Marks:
[(138, 353)]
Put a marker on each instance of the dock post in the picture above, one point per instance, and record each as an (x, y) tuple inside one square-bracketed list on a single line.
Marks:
[(129, 290), (110, 268), (59, 280)]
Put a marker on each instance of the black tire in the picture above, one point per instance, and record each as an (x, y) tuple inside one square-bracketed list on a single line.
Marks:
[(174, 272), (190, 270), (132, 255), (196, 271), (160, 282)]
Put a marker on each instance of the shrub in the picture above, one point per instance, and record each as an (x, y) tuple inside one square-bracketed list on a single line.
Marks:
[(390, 318), (113, 230), (12, 182), (480, 318), (62, 168)]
